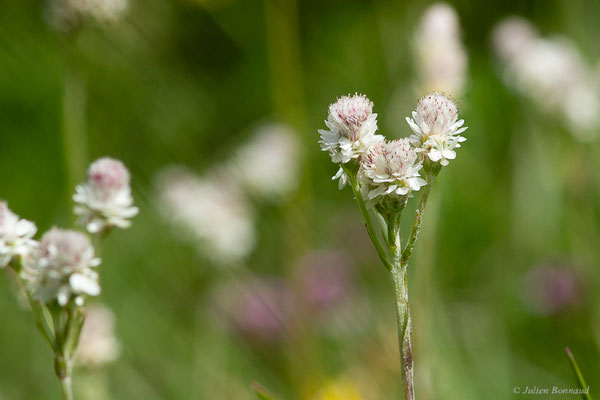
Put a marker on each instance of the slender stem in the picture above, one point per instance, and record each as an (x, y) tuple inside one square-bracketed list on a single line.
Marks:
[(416, 228), (399, 274), (584, 386), (74, 138), (368, 221), (63, 369)]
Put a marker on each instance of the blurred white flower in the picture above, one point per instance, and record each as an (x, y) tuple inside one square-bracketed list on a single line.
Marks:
[(211, 210), (352, 126), (97, 343), (441, 60), (550, 72), (64, 15), (268, 165), (105, 200), (62, 266), (389, 169), (15, 235), (436, 127)]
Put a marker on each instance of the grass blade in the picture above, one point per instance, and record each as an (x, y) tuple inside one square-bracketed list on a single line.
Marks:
[(584, 386)]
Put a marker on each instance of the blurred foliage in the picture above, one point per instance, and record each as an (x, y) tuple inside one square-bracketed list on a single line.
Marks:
[(186, 82)]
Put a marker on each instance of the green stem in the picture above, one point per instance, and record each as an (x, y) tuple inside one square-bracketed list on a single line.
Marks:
[(368, 221), (416, 228), (73, 127), (63, 369), (584, 386), (399, 274)]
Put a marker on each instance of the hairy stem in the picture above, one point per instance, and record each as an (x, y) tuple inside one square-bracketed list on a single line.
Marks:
[(399, 275)]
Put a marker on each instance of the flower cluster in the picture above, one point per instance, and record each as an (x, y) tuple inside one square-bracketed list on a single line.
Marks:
[(551, 72), (216, 208), (15, 235), (441, 60), (62, 266), (105, 200), (390, 169)]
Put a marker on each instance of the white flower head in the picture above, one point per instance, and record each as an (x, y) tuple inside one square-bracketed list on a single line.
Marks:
[(105, 201), (97, 343), (440, 56), (436, 127), (64, 15), (62, 266), (211, 212), (352, 126), (551, 72), (15, 235), (390, 169), (268, 165)]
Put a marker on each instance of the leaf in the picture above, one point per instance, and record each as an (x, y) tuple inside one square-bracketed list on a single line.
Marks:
[(584, 387), (262, 393)]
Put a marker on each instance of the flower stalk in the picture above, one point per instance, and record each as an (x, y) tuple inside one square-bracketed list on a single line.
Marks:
[(383, 176)]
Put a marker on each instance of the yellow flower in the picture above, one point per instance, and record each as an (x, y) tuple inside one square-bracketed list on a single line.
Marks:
[(338, 390)]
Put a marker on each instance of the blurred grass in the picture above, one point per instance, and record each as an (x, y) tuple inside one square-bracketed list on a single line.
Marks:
[(185, 82)]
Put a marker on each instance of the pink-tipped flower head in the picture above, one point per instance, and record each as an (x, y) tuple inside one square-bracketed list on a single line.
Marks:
[(107, 177), (15, 235), (105, 201), (436, 127), (62, 267), (389, 169), (352, 126)]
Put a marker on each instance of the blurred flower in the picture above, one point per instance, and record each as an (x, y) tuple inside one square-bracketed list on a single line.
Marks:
[(65, 15), (62, 266), (551, 72), (326, 279), (258, 310), (440, 56), (105, 200), (352, 126), (268, 165), (389, 170), (548, 289), (338, 390), (15, 235), (97, 343), (211, 211), (436, 127)]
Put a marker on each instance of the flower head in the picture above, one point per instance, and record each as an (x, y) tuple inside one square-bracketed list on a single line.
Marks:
[(105, 200), (268, 165), (440, 56), (352, 126), (62, 266), (15, 235), (389, 169), (211, 210), (97, 344), (436, 127)]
